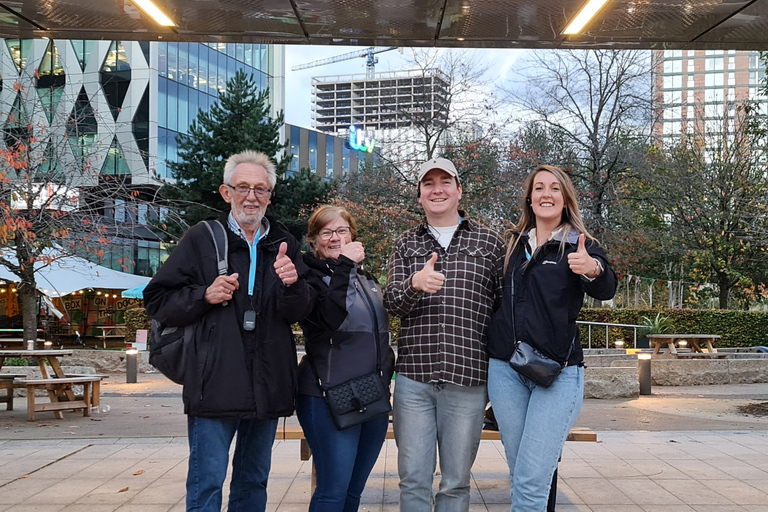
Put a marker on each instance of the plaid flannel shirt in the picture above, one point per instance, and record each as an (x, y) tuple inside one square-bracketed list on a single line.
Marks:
[(443, 335)]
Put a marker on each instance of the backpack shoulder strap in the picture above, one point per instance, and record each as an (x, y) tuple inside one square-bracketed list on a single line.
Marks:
[(220, 242)]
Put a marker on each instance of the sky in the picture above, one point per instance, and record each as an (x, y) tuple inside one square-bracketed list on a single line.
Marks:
[(298, 84)]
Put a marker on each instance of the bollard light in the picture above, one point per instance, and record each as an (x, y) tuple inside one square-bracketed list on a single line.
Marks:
[(619, 344), (48, 345), (131, 366), (644, 373), (683, 344)]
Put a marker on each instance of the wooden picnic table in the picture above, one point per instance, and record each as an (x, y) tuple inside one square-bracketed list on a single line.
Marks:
[(694, 340), (42, 356)]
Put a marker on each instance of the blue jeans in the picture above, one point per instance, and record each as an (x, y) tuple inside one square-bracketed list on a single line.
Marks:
[(209, 442), (343, 458), (443, 415), (533, 423)]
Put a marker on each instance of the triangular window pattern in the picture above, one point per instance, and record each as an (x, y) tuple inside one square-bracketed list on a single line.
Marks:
[(82, 128), (16, 130), (83, 50), (51, 79), (19, 50), (115, 77), (140, 127), (114, 163)]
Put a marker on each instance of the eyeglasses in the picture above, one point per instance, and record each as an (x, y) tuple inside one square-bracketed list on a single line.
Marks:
[(243, 191), (326, 234)]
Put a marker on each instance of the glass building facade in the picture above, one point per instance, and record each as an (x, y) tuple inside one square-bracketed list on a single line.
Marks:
[(121, 105)]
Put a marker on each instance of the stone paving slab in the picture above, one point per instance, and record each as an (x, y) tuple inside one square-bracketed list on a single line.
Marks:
[(673, 471)]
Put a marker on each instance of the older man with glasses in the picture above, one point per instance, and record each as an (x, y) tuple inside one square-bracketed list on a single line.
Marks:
[(240, 376)]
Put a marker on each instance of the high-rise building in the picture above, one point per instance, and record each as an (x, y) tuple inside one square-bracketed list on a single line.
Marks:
[(389, 101), (695, 90), (130, 100)]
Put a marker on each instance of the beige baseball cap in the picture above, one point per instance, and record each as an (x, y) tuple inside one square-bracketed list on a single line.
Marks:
[(438, 163)]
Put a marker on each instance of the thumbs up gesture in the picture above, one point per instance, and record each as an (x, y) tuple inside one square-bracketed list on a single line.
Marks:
[(581, 262), (284, 267), (427, 279)]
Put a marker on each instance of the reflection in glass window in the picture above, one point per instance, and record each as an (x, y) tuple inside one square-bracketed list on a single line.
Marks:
[(313, 151), (329, 152)]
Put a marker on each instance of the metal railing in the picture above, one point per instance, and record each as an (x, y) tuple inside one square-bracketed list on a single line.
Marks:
[(607, 327)]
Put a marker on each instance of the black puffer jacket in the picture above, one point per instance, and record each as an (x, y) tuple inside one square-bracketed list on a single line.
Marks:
[(343, 329), (547, 299), (233, 373)]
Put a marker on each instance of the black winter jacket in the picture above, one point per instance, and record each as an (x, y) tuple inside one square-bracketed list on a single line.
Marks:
[(547, 299), (233, 373), (343, 329)]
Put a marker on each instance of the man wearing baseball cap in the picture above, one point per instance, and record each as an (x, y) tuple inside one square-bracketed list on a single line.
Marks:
[(444, 282)]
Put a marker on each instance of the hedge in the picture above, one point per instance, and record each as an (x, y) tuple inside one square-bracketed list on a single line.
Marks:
[(736, 328)]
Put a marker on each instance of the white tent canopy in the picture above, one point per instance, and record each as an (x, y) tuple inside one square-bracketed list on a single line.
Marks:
[(72, 273)]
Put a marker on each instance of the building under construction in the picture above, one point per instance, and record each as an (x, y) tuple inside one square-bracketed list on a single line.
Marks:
[(387, 101)]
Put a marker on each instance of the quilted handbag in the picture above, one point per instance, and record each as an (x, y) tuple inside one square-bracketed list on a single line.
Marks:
[(357, 400)]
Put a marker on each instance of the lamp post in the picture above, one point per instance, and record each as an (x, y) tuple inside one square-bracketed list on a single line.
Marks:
[(644, 373), (131, 366)]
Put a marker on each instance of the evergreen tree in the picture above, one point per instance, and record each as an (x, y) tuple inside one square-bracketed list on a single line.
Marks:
[(238, 121), (296, 197)]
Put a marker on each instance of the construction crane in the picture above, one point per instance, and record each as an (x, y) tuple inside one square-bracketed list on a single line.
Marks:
[(368, 53)]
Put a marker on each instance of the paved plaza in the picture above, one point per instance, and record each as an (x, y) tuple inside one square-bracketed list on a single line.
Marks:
[(678, 450)]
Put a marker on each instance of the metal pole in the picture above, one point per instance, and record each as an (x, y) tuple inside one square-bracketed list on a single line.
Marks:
[(131, 367), (644, 373)]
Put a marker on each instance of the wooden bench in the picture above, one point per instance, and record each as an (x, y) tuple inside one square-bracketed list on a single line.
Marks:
[(7, 383), (287, 432), (59, 393)]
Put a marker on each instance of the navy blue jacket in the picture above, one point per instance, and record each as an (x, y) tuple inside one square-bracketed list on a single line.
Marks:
[(234, 373), (547, 300), (343, 329)]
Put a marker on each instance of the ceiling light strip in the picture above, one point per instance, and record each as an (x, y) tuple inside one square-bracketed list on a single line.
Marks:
[(585, 16), (154, 12)]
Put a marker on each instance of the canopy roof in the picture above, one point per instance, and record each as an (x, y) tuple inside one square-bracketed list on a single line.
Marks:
[(71, 273), (659, 24)]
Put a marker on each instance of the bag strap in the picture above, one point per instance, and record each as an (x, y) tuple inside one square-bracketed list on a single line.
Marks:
[(512, 315), (219, 237)]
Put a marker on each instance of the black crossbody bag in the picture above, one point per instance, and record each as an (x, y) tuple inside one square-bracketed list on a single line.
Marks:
[(527, 360)]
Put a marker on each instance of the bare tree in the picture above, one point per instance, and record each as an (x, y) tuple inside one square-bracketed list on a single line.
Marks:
[(597, 103), (453, 99), (709, 200)]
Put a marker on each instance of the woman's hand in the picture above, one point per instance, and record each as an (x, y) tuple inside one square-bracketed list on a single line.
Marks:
[(353, 251), (582, 263)]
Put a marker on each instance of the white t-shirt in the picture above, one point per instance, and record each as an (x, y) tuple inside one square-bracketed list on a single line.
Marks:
[(443, 234)]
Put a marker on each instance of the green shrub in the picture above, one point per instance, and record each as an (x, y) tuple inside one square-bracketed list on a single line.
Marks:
[(137, 318), (736, 328), (655, 325)]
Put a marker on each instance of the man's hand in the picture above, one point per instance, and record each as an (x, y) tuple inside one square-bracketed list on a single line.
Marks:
[(427, 279), (222, 289), (284, 267), (353, 251), (582, 263)]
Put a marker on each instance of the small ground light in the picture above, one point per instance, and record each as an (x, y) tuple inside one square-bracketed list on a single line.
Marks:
[(619, 343), (131, 366), (644, 373), (48, 345), (683, 344)]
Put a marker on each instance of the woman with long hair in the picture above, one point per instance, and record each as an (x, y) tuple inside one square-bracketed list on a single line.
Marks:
[(551, 262)]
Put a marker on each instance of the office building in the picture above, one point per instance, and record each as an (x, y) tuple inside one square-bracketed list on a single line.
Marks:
[(695, 90), (130, 100), (389, 101)]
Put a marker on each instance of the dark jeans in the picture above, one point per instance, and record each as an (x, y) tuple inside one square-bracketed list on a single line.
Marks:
[(209, 442), (343, 458)]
